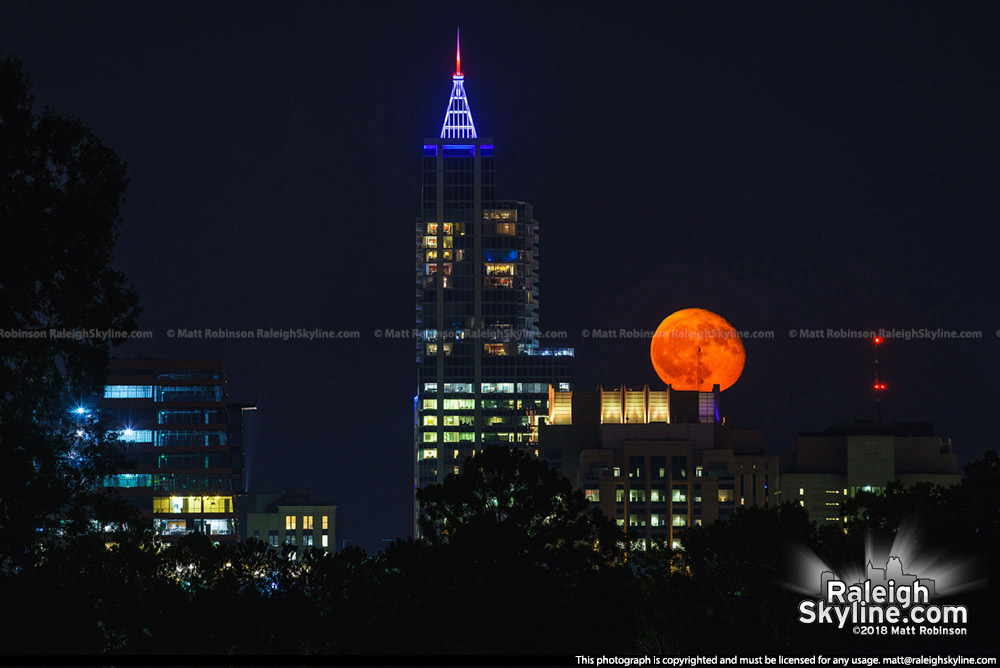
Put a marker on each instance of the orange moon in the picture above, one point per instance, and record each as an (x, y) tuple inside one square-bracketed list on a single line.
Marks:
[(694, 349)]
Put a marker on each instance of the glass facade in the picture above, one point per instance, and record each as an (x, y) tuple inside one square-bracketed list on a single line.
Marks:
[(186, 440), (482, 376)]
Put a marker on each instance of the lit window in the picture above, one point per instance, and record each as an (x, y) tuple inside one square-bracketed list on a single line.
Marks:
[(617, 472), (289, 522), (801, 491), (326, 541), (679, 495), (432, 256), (619, 494), (698, 471), (429, 453), (592, 495), (430, 437), (193, 504), (430, 420), (637, 495), (500, 214), (128, 391), (498, 282), (307, 522), (135, 436), (447, 228), (129, 480), (726, 496), (456, 469), (430, 242), (503, 388), (432, 228), (307, 540), (499, 268), (446, 241), (326, 522), (680, 520)]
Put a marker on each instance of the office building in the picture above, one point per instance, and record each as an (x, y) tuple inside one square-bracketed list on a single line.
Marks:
[(175, 420), (482, 373), (656, 461)]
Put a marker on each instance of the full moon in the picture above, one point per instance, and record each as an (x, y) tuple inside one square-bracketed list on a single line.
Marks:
[(694, 349)]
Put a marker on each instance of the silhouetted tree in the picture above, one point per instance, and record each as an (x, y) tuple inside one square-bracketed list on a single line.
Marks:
[(518, 552), (60, 196), (726, 584), (506, 503)]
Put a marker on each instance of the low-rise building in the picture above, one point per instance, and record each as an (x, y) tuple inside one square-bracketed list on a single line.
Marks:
[(290, 517)]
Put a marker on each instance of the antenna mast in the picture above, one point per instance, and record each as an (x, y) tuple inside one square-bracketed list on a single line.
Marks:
[(879, 386)]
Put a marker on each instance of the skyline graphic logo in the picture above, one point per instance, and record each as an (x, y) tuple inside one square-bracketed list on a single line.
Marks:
[(894, 594)]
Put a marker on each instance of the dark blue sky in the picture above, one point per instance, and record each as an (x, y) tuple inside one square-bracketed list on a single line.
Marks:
[(787, 165)]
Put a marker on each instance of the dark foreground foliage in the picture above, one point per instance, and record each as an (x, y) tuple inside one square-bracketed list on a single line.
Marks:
[(488, 583)]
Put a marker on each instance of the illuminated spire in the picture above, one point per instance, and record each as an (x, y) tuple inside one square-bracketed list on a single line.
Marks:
[(458, 122)]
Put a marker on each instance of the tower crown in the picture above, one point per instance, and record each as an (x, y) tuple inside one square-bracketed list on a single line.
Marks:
[(458, 123)]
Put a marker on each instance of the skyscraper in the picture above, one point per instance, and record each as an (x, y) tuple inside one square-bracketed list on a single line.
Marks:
[(482, 377)]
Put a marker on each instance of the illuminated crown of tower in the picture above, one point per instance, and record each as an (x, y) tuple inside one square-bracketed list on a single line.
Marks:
[(458, 122)]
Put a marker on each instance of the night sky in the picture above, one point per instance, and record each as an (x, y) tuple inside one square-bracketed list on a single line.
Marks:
[(786, 165)]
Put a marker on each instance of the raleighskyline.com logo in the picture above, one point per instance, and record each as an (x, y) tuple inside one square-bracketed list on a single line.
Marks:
[(888, 601)]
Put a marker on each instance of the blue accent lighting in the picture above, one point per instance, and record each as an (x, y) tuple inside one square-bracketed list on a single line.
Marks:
[(459, 150)]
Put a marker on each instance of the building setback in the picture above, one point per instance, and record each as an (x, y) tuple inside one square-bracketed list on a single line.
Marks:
[(175, 422), (482, 375)]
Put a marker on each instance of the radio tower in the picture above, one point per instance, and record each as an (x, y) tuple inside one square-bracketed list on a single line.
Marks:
[(879, 385)]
